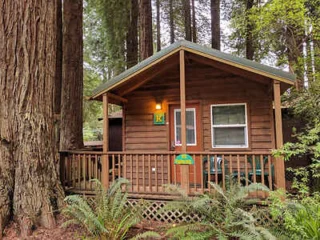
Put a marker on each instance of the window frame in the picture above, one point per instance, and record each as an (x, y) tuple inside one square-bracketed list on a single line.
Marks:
[(195, 126), (246, 131)]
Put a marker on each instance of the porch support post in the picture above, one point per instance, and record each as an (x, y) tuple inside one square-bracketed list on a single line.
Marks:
[(105, 164), (184, 168), (279, 162)]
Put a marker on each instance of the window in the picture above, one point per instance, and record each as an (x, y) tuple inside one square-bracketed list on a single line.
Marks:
[(190, 126), (229, 125)]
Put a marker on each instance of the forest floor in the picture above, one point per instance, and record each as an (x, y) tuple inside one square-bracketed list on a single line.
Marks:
[(71, 232), (74, 232)]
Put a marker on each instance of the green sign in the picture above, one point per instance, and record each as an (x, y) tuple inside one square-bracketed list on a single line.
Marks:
[(159, 118), (184, 159)]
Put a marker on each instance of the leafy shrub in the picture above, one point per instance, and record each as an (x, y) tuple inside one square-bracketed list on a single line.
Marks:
[(300, 216), (223, 214), (109, 217)]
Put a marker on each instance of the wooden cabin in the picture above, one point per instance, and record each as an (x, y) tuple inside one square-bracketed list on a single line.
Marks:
[(191, 115)]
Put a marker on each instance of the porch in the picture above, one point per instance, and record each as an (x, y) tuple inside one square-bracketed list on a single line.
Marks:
[(148, 173)]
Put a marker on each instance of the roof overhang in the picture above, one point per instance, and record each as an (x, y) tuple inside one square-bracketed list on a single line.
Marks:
[(160, 61)]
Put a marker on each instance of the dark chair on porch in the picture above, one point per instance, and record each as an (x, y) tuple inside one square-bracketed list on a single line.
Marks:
[(215, 168), (257, 169)]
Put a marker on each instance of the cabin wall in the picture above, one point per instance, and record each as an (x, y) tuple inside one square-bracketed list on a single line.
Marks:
[(206, 86)]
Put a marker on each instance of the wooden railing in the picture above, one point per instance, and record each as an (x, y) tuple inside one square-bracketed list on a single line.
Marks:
[(149, 172)]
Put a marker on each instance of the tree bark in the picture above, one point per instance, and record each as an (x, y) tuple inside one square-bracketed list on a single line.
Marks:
[(29, 184), (158, 26), (249, 29), (294, 45), (215, 24), (171, 22), (132, 36), (58, 82), (71, 136), (187, 19), (146, 39), (194, 22)]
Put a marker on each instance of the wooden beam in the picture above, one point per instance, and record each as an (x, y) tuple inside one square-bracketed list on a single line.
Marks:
[(231, 69), (184, 168), (105, 160), (183, 102), (154, 63), (237, 65), (279, 162), (149, 76), (116, 97)]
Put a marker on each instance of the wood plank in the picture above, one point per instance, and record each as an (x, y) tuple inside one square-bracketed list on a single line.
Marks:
[(117, 98), (105, 165), (184, 168), (279, 163)]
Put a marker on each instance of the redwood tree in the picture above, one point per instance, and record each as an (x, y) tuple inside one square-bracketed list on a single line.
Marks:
[(187, 19), (249, 29), (132, 35), (171, 22), (215, 24), (158, 26), (146, 39), (194, 22), (29, 184), (71, 135)]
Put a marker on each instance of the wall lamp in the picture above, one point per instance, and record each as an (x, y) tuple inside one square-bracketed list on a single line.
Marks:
[(158, 105)]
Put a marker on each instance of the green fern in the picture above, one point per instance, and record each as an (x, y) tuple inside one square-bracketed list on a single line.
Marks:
[(223, 214), (147, 235), (109, 217)]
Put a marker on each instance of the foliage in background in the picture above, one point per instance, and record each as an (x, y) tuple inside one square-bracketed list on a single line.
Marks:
[(306, 106), (299, 215), (224, 214), (109, 217), (113, 23)]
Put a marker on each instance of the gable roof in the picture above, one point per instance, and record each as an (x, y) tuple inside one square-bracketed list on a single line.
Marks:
[(197, 49)]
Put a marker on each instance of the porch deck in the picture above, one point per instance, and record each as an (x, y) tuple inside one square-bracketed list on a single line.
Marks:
[(148, 173)]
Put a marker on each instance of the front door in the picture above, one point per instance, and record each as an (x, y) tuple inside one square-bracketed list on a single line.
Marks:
[(194, 140)]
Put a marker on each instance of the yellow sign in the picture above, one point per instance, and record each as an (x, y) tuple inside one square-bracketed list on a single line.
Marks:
[(159, 118), (184, 159)]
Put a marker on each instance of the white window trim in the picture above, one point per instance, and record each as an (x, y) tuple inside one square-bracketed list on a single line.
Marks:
[(230, 125), (195, 127)]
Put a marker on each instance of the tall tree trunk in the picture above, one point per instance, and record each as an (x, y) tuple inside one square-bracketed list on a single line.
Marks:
[(58, 83), (187, 19), (71, 136), (171, 22), (132, 36), (158, 26), (146, 39), (215, 24), (310, 60), (295, 53), (249, 29), (316, 54), (29, 184), (194, 22)]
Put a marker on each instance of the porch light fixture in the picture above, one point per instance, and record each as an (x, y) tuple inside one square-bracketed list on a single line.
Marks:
[(158, 106)]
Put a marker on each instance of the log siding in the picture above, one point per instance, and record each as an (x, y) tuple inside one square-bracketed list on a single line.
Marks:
[(208, 86)]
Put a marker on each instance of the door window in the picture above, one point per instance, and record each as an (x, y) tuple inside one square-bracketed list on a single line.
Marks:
[(190, 126)]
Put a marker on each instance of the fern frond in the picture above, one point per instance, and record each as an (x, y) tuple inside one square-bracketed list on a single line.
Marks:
[(147, 235)]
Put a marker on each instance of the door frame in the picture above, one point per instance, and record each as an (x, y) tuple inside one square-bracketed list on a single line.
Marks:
[(199, 135)]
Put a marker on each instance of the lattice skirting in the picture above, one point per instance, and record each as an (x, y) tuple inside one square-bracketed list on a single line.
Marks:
[(154, 212)]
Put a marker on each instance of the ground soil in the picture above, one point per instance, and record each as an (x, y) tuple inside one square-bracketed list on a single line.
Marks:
[(71, 232), (74, 232)]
